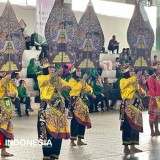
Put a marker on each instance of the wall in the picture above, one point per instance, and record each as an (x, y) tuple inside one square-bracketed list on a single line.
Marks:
[(110, 25)]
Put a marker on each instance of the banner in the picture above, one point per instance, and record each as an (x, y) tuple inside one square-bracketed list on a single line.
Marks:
[(43, 9)]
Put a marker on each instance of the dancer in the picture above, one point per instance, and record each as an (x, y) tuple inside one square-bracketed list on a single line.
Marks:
[(131, 115), (81, 118), (52, 123), (7, 90), (154, 104)]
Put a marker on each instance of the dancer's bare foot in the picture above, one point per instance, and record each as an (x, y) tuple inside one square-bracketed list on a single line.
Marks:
[(72, 144), (6, 154), (134, 150), (80, 143), (157, 133), (153, 134), (126, 151)]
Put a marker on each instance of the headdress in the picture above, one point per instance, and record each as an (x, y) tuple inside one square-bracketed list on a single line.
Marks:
[(45, 63), (125, 70)]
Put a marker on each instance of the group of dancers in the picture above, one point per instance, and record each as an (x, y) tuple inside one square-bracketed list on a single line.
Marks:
[(52, 122)]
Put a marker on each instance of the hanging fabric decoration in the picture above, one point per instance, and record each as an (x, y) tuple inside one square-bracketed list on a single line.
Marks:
[(12, 43), (91, 40), (140, 37), (43, 10), (61, 33)]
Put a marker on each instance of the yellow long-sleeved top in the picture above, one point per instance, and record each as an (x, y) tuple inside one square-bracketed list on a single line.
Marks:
[(7, 87), (46, 88), (76, 87), (128, 87)]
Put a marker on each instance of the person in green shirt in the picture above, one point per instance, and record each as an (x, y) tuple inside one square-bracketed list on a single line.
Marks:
[(100, 97), (33, 69), (24, 97)]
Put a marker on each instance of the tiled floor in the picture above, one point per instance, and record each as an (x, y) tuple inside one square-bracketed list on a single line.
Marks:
[(103, 139)]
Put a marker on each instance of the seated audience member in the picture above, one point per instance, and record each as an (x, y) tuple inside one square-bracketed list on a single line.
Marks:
[(117, 67), (108, 92), (28, 42), (129, 54), (93, 74), (17, 79), (99, 70), (24, 97), (113, 45), (33, 42), (100, 97), (155, 61), (124, 51), (33, 69), (124, 59), (16, 100)]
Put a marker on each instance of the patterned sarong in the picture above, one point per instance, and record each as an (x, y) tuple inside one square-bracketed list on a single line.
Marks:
[(56, 120), (52, 119), (134, 114), (80, 111), (6, 126), (154, 111)]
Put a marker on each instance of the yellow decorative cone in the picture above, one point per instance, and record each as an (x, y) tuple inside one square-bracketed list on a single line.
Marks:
[(9, 65), (140, 62), (84, 64), (58, 57)]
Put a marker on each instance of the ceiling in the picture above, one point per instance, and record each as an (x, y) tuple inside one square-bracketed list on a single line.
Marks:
[(33, 2)]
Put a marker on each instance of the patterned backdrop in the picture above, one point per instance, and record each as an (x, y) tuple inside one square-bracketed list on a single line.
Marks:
[(91, 40), (140, 37), (12, 41), (61, 33)]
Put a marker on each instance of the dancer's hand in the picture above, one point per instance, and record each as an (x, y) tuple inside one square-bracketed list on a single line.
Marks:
[(85, 76), (11, 94)]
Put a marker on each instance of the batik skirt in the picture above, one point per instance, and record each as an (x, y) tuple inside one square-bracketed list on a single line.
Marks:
[(52, 120), (6, 127), (80, 111), (154, 111)]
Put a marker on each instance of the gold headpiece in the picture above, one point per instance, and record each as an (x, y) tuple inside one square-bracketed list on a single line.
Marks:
[(125, 70), (45, 63)]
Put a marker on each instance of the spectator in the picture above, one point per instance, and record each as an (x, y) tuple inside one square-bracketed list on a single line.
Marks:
[(33, 42), (24, 97), (17, 79), (100, 97), (113, 45), (117, 67), (28, 42), (108, 92), (33, 69), (155, 61), (15, 100)]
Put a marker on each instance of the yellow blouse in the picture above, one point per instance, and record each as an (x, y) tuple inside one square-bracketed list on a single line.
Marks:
[(7, 87), (76, 87), (46, 88), (128, 87)]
